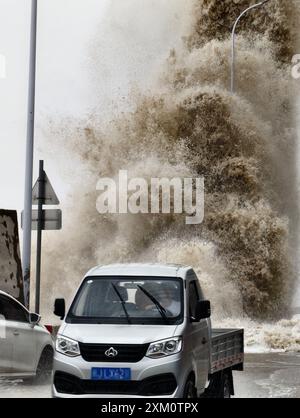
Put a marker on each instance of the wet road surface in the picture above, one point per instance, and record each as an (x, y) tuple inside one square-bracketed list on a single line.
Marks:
[(275, 375)]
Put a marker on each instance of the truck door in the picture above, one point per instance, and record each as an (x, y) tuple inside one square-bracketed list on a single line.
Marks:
[(198, 336)]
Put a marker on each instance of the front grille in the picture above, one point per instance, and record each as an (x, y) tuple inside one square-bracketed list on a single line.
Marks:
[(164, 384), (127, 353)]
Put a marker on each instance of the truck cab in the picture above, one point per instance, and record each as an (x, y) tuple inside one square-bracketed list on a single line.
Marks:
[(135, 330)]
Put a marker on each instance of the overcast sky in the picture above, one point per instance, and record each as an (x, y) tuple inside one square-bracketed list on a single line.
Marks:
[(74, 37), (64, 30)]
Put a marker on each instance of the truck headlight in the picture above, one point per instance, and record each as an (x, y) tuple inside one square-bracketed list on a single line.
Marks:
[(67, 346), (165, 348)]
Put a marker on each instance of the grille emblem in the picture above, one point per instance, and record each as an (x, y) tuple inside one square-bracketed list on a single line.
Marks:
[(111, 352)]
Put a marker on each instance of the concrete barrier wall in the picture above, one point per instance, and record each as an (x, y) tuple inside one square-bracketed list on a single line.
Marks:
[(10, 263)]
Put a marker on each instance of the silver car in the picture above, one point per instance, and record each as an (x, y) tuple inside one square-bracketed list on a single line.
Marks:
[(26, 347)]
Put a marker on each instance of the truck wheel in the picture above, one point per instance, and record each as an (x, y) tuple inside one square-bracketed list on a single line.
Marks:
[(226, 390), (219, 387), (190, 392)]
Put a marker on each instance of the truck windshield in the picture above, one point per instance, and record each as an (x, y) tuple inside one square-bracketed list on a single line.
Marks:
[(131, 300)]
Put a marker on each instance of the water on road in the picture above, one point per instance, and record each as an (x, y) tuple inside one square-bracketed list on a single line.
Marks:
[(273, 375)]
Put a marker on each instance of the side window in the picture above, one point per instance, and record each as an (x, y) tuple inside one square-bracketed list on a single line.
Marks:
[(193, 277), (12, 311), (193, 298)]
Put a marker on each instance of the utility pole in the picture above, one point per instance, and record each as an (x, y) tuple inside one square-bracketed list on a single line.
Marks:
[(26, 254), (233, 40)]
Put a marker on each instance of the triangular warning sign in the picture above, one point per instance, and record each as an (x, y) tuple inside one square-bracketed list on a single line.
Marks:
[(49, 196)]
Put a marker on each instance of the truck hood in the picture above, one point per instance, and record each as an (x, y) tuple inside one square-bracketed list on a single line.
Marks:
[(117, 334)]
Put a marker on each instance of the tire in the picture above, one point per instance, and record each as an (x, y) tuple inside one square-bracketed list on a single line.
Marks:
[(226, 388), (44, 368), (190, 392), (220, 387)]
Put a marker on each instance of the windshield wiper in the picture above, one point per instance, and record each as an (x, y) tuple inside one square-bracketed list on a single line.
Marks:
[(123, 302), (160, 308)]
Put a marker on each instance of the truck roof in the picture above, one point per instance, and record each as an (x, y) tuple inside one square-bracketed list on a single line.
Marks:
[(141, 269)]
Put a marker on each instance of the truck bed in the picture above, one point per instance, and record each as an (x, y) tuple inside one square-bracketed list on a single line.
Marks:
[(227, 349)]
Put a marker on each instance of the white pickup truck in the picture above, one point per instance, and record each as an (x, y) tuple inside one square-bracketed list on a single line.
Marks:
[(143, 330)]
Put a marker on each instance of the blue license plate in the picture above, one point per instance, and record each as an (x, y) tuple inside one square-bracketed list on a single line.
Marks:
[(109, 373)]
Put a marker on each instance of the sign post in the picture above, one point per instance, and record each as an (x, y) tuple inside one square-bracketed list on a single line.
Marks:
[(43, 194)]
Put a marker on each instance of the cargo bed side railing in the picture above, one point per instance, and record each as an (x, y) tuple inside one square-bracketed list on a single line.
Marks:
[(227, 349)]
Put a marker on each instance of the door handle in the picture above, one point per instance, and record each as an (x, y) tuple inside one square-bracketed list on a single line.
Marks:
[(16, 333)]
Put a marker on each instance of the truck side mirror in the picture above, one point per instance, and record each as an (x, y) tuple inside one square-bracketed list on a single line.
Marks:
[(60, 308), (203, 310)]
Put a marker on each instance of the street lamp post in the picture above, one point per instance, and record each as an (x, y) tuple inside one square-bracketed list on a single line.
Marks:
[(27, 217), (233, 40)]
